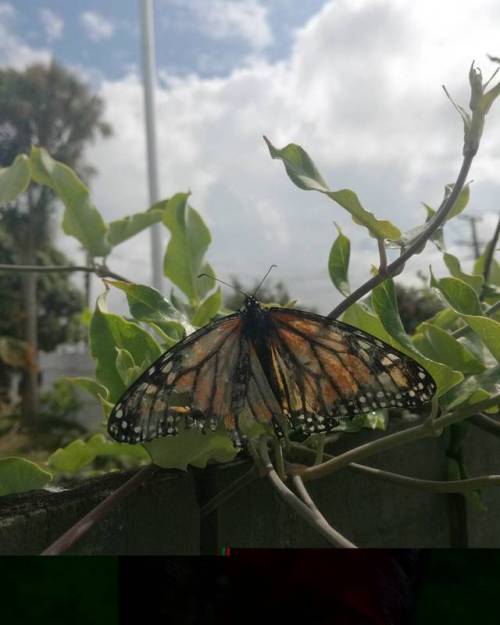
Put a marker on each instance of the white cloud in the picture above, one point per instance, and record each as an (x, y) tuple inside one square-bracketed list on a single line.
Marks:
[(52, 23), (233, 19), (361, 92), (6, 10), (14, 51), (96, 26)]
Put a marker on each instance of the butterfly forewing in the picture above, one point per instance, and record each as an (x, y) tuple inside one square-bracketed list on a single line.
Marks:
[(188, 386), (327, 370)]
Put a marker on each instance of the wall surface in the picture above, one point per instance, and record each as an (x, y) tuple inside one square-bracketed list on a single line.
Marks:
[(162, 516)]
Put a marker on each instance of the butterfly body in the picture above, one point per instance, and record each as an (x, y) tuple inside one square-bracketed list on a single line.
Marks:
[(295, 371)]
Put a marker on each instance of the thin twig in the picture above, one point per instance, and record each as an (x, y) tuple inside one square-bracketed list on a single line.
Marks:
[(490, 253), (342, 541), (486, 423), (309, 515), (230, 490), (100, 270), (424, 430), (432, 486), (416, 247), (79, 529), (382, 269)]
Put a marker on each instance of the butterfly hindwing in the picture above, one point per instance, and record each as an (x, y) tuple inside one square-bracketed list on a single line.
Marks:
[(327, 370), (188, 386)]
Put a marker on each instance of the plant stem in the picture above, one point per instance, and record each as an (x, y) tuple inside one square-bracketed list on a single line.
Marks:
[(382, 269), (490, 253), (426, 429), (342, 541), (415, 248), (312, 516), (79, 529), (432, 486), (100, 270), (486, 423)]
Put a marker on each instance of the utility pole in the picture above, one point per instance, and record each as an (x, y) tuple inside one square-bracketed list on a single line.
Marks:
[(149, 83), (474, 240)]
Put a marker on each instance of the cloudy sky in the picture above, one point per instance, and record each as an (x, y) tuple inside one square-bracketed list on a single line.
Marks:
[(357, 83)]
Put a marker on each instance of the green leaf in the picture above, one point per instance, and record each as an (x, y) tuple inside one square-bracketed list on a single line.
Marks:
[(188, 243), (79, 454), (109, 331), (72, 458), (464, 301), (18, 475), (446, 349), (453, 264), (191, 448), (459, 295), (461, 201), (338, 263), (148, 305), (91, 386), (376, 420), (122, 229), (385, 305), (488, 98), (304, 174), (14, 179), (443, 319), (208, 309), (81, 218), (126, 367)]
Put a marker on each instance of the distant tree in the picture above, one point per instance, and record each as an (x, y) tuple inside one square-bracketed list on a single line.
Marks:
[(51, 107), (416, 305)]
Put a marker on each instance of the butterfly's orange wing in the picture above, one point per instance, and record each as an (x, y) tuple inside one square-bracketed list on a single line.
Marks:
[(190, 386), (325, 371)]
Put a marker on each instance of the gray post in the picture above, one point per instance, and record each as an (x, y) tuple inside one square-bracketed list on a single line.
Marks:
[(149, 82)]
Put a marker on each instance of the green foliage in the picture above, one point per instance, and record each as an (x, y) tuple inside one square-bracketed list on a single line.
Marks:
[(108, 332), (79, 453), (191, 448), (18, 475), (61, 401), (456, 339), (338, 263), (122, 229), (14, 179), (303, 172), (81, 218), (60, 302), (186, 249)]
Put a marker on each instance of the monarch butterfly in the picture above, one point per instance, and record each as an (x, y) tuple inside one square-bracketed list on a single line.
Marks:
[(297, 371)]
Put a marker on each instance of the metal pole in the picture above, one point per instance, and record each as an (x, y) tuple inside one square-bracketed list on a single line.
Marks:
[(149, 82)]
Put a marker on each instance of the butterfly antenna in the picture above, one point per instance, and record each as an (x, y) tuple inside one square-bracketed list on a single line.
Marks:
[(263, 279), (231, 286)]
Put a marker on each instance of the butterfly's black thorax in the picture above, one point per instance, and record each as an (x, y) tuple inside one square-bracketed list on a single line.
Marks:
[(257, 329)]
